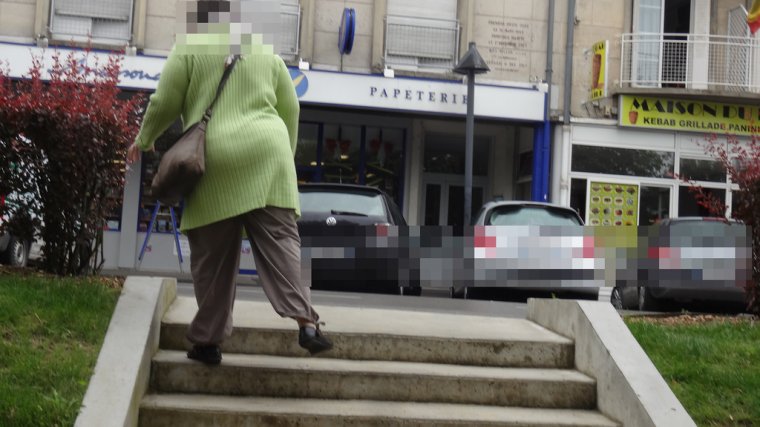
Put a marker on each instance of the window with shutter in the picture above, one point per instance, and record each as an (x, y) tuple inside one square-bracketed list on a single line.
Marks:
[(103, 21), (422, 35), (290, 20)]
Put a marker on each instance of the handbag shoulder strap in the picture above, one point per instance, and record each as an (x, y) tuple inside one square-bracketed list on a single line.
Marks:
[(222, 83)]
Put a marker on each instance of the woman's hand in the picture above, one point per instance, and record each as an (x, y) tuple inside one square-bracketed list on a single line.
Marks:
[(133, 153)]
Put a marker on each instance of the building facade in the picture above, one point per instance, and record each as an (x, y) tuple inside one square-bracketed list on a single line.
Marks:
[(681, 75), (607, 108)]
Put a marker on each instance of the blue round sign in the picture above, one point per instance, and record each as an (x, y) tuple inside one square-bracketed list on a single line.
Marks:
[(300, 82), (347, 31)]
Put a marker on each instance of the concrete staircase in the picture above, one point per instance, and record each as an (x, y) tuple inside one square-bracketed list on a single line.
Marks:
[(389, 368)]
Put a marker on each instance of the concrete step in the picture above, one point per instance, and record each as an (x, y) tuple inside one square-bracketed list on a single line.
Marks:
[(169, 410), (275, 376), (382, 334)]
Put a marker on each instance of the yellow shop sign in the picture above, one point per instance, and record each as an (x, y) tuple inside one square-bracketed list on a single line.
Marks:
[(687, 115), (599, 70)]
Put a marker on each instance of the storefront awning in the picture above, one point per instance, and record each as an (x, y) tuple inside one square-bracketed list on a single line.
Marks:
[(332, 88)]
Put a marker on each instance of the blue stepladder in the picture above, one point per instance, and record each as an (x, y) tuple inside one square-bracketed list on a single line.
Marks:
[(150, 232)]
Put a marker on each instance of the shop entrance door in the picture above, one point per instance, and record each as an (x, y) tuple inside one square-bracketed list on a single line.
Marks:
[(444, 198)]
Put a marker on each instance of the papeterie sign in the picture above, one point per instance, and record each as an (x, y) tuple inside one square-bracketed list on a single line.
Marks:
[(689, 115)]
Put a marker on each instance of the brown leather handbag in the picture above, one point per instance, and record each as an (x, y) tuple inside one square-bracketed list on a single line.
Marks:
[(183, 165)]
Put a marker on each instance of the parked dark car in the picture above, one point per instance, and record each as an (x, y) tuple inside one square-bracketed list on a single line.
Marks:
[(531, 246), (14, 250), (692, 259), (344, 231)]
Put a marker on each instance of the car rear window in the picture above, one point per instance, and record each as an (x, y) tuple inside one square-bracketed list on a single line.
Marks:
[(531, 215), (702, 228), (354, 202)]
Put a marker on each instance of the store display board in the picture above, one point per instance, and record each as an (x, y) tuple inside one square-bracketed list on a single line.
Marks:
[(612, 204)]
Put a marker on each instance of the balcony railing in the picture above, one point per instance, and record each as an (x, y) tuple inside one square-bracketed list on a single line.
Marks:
[(691, 61), (421, 43)]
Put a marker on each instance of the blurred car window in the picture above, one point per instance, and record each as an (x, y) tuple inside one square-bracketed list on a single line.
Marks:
[(355, 202), (529, 215), (710, 227)]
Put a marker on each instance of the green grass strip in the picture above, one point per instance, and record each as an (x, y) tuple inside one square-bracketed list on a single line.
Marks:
[(52, 330), (712, 367)]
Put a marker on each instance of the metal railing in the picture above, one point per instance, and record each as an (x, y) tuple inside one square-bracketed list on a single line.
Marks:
[(92, 20), (691, 61), (290, 33), (421, 43)]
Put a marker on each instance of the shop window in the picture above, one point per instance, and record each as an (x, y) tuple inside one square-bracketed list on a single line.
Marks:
[(736, 199), (432, 204), (702, 170), (654, 205), (107, 22), (687, 201), (445, 154), (578, 196), (352, 155), (113, 218), (524, 176), (455, 215), (341, 154), (384, 166), (306, 152), (524, 190), (623, 161), (148, 203), (525, 165)]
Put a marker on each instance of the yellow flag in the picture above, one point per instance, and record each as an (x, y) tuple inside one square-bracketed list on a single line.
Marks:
[(753, 18)]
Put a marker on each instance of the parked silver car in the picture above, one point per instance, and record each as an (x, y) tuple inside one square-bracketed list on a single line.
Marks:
[(532, 246)]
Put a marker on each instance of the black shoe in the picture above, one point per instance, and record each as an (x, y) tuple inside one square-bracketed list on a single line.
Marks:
[(208, 354), (312, 339)]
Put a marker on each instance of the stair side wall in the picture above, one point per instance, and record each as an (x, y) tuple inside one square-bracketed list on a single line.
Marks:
[(122, 372), (629, 387)]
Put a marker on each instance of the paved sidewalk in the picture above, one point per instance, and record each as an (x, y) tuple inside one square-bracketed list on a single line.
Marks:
[(432, 301)]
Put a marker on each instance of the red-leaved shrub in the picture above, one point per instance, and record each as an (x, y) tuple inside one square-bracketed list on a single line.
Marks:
[(741, 160), (63, 138)]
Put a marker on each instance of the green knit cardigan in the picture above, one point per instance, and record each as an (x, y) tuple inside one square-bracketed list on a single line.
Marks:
[(250, 140)]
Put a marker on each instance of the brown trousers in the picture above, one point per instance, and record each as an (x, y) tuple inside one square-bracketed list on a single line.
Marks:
[(214, 263)]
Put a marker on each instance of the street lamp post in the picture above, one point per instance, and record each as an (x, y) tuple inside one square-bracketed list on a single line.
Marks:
[(470, 64)]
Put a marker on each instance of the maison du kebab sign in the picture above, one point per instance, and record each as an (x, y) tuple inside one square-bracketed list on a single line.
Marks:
[(689, 115)]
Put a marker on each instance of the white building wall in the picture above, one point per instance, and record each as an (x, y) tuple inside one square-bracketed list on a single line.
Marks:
[(160, 26), (327, 19), (17, 19)]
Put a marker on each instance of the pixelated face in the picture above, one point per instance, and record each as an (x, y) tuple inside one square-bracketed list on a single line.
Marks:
[(227, 27)]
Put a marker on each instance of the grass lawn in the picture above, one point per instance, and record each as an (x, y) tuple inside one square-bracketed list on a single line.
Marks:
[(52, 330), (711, 363)]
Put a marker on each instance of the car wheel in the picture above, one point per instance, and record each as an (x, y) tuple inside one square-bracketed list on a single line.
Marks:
[(458, 293), (647, 302), (413, 291), (616, 298), (16, 254)]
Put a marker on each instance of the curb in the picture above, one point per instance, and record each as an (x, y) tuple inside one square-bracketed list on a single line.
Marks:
[(122, 372)]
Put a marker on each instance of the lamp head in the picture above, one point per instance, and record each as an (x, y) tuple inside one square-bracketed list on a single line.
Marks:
[(471, 62)]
